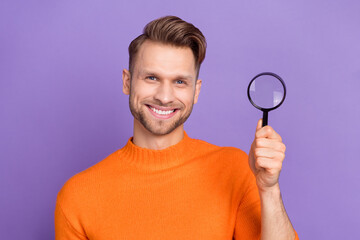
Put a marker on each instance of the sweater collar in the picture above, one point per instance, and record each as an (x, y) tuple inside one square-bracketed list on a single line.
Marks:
[(152, 160)]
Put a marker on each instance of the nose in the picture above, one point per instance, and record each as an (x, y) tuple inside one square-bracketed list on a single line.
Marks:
[(165, 93)]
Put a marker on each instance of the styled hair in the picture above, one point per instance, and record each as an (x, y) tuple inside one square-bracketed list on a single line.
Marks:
[(174, 31)]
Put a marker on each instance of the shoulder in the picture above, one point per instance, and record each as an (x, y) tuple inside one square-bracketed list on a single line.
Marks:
[(85, 182), (226, 153), (230, 161)]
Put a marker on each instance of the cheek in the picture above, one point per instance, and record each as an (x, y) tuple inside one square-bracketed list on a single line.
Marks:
[(141, 91), (186, 96)]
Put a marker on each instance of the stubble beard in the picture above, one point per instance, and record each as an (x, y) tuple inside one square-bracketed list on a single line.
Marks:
[(159, 126)]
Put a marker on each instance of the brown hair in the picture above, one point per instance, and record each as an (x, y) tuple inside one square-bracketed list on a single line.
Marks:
[(174, 31)]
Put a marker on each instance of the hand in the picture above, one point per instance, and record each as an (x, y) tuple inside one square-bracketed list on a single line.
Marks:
[(266, 156)]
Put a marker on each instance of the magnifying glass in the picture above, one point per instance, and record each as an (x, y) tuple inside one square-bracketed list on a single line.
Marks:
[(266, 91)]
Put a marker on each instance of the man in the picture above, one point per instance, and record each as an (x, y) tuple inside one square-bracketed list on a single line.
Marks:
[(163, 184)]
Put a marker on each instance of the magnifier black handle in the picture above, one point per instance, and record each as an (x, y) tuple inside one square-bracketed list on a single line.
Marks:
[(265, 118)]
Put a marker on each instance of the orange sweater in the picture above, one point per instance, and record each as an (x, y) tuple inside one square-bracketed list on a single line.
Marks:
[(192, 190)]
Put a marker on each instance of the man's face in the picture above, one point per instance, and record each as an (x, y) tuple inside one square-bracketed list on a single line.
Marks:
[(163, 86)]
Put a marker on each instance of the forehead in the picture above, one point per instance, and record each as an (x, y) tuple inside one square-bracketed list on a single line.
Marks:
[(165, 59)]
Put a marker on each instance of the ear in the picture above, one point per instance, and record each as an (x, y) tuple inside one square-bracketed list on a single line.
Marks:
[(126, 81), (197, 90)]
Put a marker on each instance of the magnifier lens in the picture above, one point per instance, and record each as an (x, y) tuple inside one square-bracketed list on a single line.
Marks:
[(266, 91)]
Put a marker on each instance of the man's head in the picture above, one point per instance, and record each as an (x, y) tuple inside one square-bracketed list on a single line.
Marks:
[(162, 79)]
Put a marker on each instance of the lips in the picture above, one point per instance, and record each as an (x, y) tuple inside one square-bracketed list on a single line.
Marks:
[(162, 112)]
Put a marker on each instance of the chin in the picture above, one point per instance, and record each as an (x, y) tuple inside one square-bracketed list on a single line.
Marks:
[(158, 130)]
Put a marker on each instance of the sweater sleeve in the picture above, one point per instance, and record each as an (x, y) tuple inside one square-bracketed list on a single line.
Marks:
[(296, 235), (64, 230), (248, 216)]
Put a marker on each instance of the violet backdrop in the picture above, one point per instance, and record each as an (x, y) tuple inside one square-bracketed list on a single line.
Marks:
[(62, 108)]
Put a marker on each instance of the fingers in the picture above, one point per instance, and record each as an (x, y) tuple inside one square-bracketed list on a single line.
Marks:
[(269, 154), (271, 166), (266, 156), (259, 124), (266, 132), (269, 150), (270, 143)]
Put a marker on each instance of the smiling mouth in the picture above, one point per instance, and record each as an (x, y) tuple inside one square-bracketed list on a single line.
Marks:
[(162, 113)]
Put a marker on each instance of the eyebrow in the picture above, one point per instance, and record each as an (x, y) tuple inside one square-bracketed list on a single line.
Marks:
[(180, 76)]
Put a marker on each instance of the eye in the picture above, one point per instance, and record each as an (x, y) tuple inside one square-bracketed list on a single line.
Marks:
[(151, 78), (180, 82)]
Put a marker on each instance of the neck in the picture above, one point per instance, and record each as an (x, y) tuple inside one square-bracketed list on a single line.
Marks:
[(145, 139)]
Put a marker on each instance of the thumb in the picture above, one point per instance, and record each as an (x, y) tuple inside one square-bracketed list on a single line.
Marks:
[(259, 124)]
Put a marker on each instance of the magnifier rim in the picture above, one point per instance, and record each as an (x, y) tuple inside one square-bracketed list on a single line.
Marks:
[(271, 74)]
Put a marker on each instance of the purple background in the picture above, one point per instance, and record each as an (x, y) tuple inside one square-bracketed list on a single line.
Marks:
[(62, 108)]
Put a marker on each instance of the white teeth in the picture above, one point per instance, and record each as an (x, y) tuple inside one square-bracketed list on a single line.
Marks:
[(161, 112)]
